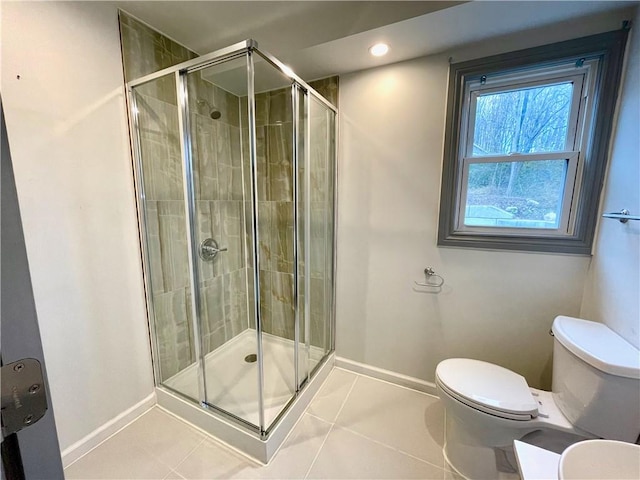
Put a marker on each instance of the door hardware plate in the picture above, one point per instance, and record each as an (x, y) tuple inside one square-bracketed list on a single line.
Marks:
[(23, 395)]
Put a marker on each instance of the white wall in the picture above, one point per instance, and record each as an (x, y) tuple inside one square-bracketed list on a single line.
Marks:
[(496, 306), (67, 132), (612, 290)]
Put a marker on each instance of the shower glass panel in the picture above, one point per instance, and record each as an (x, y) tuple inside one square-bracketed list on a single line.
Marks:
[(319, 208), (274, 147), (162, 207), (222, 205), (235, 168)]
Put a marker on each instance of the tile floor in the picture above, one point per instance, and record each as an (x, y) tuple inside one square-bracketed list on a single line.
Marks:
[(355, 428)]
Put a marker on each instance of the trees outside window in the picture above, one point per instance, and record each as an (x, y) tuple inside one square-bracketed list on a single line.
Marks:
[(526, 144)]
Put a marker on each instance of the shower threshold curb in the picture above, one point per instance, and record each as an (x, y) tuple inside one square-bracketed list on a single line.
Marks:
[(237, 437)]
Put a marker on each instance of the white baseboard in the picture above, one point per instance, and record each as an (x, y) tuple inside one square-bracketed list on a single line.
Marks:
[(387, 375), (100, 434)]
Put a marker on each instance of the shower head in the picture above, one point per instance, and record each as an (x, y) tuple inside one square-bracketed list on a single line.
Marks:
[(213, 111)]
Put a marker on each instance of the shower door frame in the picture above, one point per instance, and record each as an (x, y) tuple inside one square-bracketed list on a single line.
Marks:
[(298, 88)]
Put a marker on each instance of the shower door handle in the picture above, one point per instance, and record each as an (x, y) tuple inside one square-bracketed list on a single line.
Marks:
[(209, 249)]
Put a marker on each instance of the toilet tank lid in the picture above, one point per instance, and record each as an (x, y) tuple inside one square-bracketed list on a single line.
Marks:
[(598, 345)]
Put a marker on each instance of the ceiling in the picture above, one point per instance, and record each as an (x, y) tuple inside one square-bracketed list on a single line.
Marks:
[(280, 26), (321, 38)]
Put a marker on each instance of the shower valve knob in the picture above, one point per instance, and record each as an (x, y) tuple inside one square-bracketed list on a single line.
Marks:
[(209, 249)]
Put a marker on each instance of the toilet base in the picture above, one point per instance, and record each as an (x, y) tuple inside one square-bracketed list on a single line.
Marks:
[(468, 459), (505, 474), (557, 442), (480, 446)]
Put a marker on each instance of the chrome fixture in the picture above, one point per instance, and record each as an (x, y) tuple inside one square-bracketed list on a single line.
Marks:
[(623, 215), (213, 111), (200, 395), (430, 273), (209, 249)]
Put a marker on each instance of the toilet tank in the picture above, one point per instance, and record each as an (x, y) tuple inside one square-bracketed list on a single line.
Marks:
[(596, 379)]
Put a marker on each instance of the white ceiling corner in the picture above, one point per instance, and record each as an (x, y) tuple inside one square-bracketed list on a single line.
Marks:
[(321, 38)]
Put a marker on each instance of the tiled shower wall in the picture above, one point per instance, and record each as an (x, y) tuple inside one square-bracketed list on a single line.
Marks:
[(218, 191), (218, 188), (274, 139), (219, 204), (146, 51)]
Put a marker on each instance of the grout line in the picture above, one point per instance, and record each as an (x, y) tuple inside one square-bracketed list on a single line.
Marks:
[(323, 420), (209, 437), (423, 460), (287, 436), (184, 424), (330, 429), (372, 439), (388, 382), (390, 447), (173, 469), (344, 402), (113, 435), (324, 440), (344, 370)]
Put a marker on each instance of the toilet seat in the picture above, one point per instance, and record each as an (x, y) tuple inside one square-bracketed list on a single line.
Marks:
[(484, 408), (487, 387)]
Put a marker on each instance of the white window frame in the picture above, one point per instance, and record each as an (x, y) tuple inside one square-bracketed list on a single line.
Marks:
[(580, 76)]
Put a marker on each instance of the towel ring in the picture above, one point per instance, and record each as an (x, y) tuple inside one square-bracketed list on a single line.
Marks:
[(429, 273)]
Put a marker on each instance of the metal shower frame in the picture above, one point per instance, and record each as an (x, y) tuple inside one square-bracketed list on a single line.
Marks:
[(248, 49)]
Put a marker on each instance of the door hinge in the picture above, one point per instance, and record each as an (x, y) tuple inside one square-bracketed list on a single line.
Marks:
[(23, 395)]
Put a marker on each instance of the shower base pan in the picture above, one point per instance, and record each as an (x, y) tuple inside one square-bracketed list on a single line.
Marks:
[(232, 385)]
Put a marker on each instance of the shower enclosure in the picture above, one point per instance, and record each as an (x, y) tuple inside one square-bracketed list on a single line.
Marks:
[(235, 165)]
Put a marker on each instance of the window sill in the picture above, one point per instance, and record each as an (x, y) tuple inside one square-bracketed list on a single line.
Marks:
[(570, 246)]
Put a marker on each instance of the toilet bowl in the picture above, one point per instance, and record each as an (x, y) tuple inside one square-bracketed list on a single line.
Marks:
[(595, 394), (479, 438)]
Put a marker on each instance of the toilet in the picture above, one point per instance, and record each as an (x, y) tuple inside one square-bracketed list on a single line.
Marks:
[(595, 394)]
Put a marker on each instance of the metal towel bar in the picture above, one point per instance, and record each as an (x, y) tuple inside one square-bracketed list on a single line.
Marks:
[(623, 215)]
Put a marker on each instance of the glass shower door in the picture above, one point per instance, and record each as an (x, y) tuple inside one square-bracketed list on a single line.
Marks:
[(221, 240), (160, 178), (274, 127), (235, 164)]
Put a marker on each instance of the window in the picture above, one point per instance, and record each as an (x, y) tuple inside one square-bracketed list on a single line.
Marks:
[(526, 146)]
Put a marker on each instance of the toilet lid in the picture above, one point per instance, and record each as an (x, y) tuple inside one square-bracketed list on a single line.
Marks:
[(488, 387)]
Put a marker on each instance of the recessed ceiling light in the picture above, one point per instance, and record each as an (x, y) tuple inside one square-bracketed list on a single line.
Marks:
[(379, 49)]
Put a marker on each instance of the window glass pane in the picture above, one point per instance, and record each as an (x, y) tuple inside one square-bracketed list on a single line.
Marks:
[(527, 120), (515, 194)]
